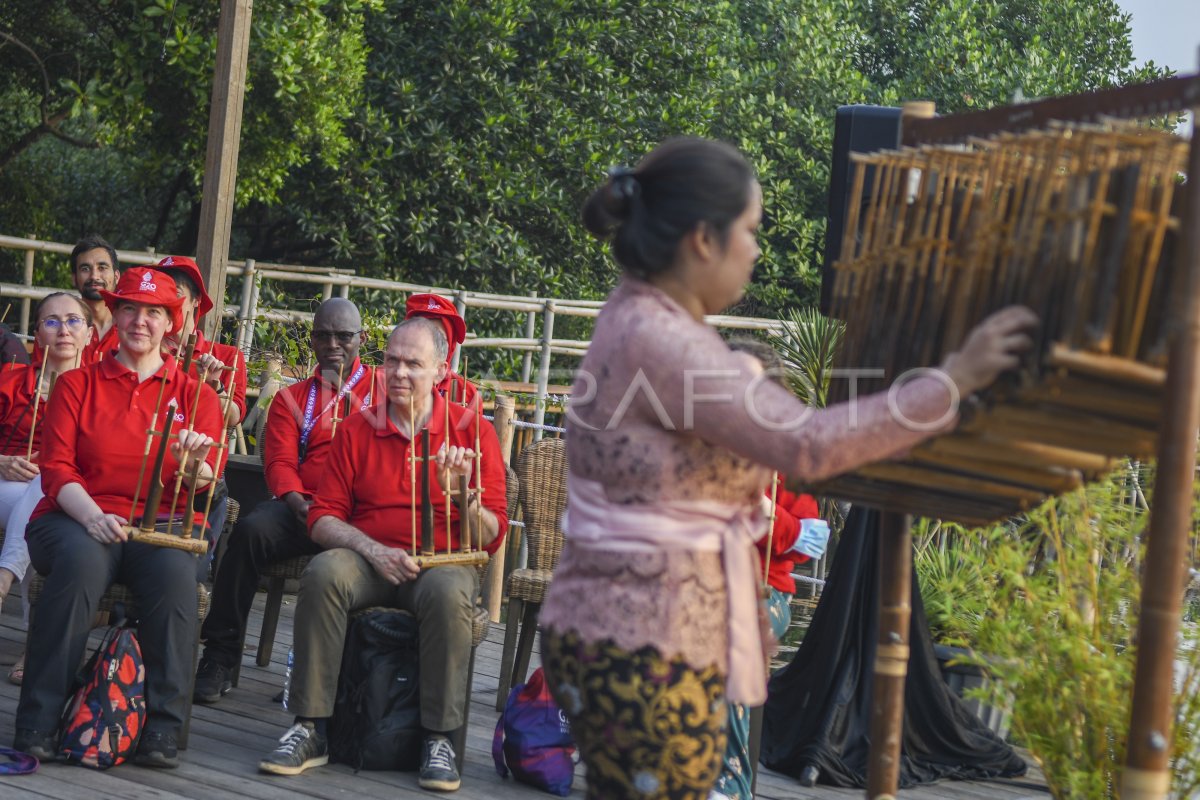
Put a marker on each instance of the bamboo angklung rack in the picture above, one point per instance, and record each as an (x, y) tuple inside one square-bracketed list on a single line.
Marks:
[(1058, 206), (147, 530), (470, 551)]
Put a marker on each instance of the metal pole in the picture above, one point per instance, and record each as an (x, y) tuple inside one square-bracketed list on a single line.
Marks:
[(543, 381), (530, 329), (891, 656), (220, 161), (1147, 774), (460, 305), (25, 304)]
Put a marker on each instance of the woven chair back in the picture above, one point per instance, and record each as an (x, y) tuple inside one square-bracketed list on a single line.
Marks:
[(542, 474)]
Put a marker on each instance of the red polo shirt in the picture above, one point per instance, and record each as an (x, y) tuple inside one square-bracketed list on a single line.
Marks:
[(232, 381), (367, 480), (458, 388), (790, 508), (95, 433), (16, 409), (284, 470), (100, 347)]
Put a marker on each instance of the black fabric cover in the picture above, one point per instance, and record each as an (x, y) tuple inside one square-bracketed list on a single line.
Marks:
[(818, 710)]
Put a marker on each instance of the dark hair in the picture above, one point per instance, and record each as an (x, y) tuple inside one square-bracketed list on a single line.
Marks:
[(83, 307), (182, 279), (94, 242), (682, 183)]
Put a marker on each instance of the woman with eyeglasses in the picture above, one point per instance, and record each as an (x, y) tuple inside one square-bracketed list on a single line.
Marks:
[(94, 448), (62, 323)]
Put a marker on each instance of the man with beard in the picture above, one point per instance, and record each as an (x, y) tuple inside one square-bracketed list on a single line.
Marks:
[(94, 269)]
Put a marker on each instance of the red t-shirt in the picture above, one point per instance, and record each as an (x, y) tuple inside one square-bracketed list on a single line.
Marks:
[(367, 480), (99, 347), (95, 433), (232, 381), (790, 508), (16, 409), (282, 466)]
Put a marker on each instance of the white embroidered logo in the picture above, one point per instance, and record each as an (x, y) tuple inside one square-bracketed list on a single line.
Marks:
[(147, 286), (168, 262), (433, 304), (147, 276)]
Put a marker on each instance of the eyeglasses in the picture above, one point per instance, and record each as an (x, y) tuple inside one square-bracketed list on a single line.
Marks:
[(343, 337), (72, 323)]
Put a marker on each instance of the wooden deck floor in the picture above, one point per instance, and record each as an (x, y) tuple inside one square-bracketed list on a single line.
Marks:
[(228, 739)]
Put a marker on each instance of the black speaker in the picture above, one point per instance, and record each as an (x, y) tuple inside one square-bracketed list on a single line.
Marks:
[(857, 129)]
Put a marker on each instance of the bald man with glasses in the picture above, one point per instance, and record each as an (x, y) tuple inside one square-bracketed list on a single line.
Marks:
[(297, 437)]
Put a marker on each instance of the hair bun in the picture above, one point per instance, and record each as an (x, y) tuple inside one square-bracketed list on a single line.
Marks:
[(612, 204)]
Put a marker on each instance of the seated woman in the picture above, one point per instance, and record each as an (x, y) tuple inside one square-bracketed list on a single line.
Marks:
[(61, 323), (92, 450)]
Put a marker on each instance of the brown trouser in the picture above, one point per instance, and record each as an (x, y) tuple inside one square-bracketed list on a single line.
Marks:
[(339, 582)]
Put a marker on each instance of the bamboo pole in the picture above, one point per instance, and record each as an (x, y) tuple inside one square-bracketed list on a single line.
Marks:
[(493, 592), (1147, 773), (891, 656), (539, 414), (26, 302), (37, 397)]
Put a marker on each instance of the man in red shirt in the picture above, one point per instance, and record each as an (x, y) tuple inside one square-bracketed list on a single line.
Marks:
[(363, 514), (442, 311), (298, 434), (94, 269)]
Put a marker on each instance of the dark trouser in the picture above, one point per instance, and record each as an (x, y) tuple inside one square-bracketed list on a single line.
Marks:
[(78, 570), (270, 533)]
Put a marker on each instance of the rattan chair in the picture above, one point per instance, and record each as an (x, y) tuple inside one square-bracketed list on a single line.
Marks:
[(118, 596), (542, 472)]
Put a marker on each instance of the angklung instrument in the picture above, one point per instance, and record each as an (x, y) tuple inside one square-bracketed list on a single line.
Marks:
[(1088, 220), (470, 551)]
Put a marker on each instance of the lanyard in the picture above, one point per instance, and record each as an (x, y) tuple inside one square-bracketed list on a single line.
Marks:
[(309, 419)]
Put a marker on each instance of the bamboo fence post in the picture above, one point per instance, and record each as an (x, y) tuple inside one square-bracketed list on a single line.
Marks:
[(543, 380), (460, 305), (26, 302), (327, 291), (530, 330), (1147, 774), (244, 321), (891, 656), (493, 593)]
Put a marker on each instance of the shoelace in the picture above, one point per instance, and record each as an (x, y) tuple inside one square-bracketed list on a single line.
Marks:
[(441, 754), (290, 742)]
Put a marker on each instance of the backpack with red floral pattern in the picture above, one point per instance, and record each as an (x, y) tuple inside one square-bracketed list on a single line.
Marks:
[(102, 722)]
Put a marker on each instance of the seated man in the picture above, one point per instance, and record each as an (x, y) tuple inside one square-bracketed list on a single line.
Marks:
[(298, 432), (95, 269), (442, 311), (363, 515)]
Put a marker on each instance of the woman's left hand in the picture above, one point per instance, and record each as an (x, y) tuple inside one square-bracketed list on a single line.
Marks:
[(191, 446)]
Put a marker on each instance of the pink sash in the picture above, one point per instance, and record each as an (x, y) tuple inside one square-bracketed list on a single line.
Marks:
[(592, 521)]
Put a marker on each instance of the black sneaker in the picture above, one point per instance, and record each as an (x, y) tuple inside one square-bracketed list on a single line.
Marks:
[(300, 748), (39, 744), (438, 770), (157, 750), (212, 681)]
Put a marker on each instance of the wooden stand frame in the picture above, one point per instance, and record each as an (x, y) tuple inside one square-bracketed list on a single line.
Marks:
[(1147, 773)]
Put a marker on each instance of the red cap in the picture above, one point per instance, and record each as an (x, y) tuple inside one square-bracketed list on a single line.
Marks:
[(187, 265), (437, 307), (148, 286)]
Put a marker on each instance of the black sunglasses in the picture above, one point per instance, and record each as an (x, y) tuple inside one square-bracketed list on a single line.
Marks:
[(343, 337)]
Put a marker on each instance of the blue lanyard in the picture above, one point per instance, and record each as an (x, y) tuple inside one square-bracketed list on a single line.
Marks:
[(309, 420)]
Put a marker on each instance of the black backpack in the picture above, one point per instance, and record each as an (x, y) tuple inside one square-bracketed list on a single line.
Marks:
[(376, 720)]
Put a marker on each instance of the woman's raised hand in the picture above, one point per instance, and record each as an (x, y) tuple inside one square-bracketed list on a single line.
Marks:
[(992, 346)]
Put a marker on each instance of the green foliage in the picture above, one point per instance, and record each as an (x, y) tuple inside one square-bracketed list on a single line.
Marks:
[(807, 345), (1052, 600), (453, 143)]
